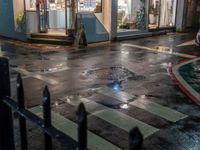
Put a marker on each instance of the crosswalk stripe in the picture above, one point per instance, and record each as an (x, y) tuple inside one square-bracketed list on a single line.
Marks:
[(37, 76), (119, 95), (112, 116), (154, 108), (159, 110), (70, 128)]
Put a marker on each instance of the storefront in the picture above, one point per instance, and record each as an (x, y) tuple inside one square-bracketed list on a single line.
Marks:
[(162, 13), (60, 17), (103, 19)]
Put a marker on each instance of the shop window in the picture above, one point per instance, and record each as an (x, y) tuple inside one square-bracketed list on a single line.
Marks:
[(162, 13), (19, 17), (131, 15), (90, 6), (30, 5)]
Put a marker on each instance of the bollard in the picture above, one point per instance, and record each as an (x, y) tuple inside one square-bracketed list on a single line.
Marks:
[(22, 120), (6, 125), (47, 117), (135, 139), (82, 127)]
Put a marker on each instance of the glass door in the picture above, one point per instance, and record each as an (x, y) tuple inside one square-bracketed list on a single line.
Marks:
[(42, 16), (162, 13)]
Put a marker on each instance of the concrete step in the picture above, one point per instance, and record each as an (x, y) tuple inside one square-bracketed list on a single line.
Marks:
[(133, 36), (49, 36), (67, 41)]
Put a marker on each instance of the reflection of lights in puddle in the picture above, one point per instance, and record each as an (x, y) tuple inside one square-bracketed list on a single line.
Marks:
[(68, 100), (56, 103), (116, 86), (52, 69), (165, 64), (124, 106), (60, 65), (143, 96), (171, 50), (162, 48), (125, 52)]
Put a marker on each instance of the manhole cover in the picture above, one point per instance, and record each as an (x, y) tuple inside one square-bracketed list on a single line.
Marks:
[(114, 74)]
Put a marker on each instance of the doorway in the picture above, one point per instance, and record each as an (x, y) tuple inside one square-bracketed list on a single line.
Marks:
[(54, 16)]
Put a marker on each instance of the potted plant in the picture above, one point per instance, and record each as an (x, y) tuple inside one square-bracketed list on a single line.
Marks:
[(152, 15)]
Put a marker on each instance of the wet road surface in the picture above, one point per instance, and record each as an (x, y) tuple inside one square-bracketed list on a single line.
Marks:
[(123, 85)]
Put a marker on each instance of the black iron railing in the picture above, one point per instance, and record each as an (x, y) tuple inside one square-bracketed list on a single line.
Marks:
[(8, 105)]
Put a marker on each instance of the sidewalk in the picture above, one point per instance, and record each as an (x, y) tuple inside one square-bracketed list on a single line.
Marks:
[(186, 74)]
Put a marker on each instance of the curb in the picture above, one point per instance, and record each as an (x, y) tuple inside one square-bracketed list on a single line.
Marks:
[(181, 86)]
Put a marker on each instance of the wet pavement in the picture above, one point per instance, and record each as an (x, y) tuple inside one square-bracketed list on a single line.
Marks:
[(123, 85)]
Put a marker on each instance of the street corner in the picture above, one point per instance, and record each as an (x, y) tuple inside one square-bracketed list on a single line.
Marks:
[(187, 75)]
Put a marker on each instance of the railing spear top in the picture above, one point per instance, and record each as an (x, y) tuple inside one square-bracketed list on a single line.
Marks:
[(135, 139), (20, 91), (81, 111), (19, 80), (46, 94)]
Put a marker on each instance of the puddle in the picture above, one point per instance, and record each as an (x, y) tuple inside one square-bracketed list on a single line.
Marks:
[(116, 75)]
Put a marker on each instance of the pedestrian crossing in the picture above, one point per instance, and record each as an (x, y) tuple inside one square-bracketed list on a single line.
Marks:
[(159, 110), (112, 116), (121, 120), (70, 128), (142, 103)]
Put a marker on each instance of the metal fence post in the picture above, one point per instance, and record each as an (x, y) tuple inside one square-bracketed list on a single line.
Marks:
[(6, 125), (135, 139), (47, 117), (22, 120), (82, 127)]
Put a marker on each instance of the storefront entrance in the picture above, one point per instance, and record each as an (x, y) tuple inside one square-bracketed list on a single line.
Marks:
[(52, 16), (162, 13)]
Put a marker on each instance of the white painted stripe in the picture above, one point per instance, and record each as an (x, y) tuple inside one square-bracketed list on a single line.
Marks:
[(188, 43), (159, 110), (119, 95), (160, 51), (175, 70), (37, 76), (54, 71), (70, 128), (15, 79), (112, 116)]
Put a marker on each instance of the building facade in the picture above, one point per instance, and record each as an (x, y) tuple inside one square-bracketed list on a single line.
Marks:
[(103, 19)]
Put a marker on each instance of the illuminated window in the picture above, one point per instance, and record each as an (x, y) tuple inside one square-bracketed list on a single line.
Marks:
[(131, 15), (90, 6)]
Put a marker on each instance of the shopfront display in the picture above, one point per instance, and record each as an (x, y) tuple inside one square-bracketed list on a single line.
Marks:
[(90, 6), (131, 15), (162, 13)]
